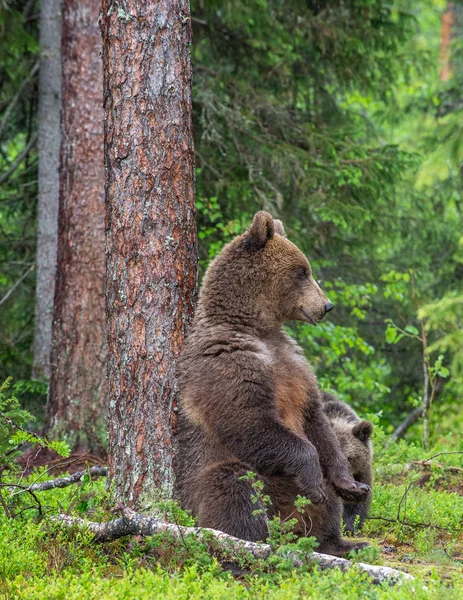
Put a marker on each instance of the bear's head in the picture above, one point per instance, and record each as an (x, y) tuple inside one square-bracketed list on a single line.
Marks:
[(355, 440), (262, 278)]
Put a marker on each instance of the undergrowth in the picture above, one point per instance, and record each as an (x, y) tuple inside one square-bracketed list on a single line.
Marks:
[(416, 526)]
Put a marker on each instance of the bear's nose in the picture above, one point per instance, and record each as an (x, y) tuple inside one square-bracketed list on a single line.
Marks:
[(328, 306)]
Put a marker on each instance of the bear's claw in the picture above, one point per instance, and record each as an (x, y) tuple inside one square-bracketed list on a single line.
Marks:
[(352, 491)]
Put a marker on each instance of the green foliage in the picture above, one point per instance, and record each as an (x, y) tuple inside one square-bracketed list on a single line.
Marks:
[(446, 316), (13, 436), (298, 128), (261, 500), (10, 412), (18, 193)]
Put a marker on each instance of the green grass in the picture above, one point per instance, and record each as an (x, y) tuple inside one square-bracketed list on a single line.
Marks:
[(38, 559)]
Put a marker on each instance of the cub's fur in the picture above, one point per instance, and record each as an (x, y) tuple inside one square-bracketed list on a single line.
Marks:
[(249, 399), (354, 436)]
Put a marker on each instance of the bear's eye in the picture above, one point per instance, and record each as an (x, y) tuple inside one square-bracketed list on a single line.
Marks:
[(349, 458), (301, 273)]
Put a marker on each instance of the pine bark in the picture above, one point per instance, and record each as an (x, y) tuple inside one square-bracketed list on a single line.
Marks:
[(151, 235), (49, 149), (76, 408)]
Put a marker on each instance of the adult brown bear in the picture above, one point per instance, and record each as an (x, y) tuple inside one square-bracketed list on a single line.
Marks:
[(249, 399)]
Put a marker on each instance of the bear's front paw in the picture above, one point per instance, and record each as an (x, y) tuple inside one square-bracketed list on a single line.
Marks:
[(352, 491)]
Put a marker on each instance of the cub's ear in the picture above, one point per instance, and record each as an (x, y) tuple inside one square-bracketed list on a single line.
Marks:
[(262, 230), (363, 430), (279, 228)]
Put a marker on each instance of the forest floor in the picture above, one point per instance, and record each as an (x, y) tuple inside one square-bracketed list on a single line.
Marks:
[(416, 526)]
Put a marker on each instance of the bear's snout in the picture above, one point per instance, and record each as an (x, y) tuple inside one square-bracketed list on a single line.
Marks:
[(328, 306)]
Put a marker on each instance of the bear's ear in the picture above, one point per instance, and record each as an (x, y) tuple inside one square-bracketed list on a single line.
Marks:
[(262, 229), (363, 430), (279, 228)]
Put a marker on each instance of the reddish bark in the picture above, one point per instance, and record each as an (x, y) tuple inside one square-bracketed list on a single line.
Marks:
[(76, 406), (151, 235), (446, 38)]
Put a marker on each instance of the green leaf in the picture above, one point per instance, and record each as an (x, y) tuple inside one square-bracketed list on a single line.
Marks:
[(443, 372), (412, 330), (391, 334)]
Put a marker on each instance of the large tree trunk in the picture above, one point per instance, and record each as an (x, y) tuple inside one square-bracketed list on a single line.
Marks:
[(77, 399), (49, 148), (151, 235)]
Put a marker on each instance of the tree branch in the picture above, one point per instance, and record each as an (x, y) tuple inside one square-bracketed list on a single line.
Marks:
[(19, 159), (17, 284), (16, 97), (417, 412), (132, 523), (62, 482), (412, 418)]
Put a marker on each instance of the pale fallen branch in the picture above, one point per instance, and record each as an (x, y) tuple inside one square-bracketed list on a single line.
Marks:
[(51, 484), (62, 482), (132, 523)]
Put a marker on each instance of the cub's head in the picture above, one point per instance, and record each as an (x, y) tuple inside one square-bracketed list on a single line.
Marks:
[(261, 273), (355, 440)]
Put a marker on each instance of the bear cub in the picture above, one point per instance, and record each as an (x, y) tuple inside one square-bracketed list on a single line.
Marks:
[(249, 401), (354, 436)]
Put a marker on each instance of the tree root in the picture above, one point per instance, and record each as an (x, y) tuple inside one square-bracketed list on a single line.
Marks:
[(133, 523)]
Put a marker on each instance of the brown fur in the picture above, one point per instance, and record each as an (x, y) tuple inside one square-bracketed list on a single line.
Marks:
[(354, 436), (249, 399)]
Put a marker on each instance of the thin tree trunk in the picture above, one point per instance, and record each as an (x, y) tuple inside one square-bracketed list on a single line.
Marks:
[(417, 413), (151, 235), (446, 37), (76, 408), (49, 148)]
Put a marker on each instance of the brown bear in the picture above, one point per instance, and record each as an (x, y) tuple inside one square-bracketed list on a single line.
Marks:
[(249, 399), (354, 435)]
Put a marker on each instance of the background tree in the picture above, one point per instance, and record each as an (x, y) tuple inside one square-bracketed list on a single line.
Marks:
[(49, 114), (151, 235), (76, 409)]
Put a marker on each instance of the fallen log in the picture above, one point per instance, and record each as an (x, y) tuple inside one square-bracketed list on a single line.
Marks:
[(132, 523)]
